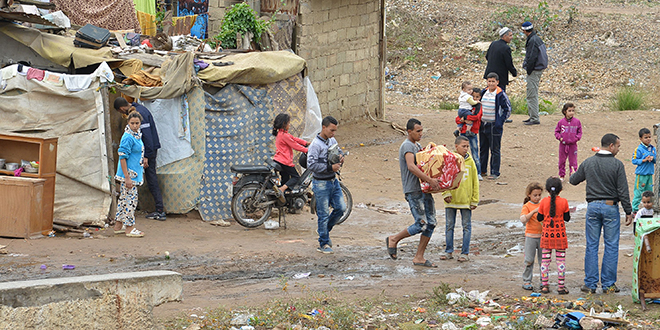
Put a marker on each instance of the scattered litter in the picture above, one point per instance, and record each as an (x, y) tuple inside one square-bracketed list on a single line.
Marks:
[(68, 267), (483, 321), (361, 206), (350, 278), (3, 249), (516, 249), (43, 267), (449, 326), (271, 224), (544, 321), (535, 294), (590, 323), (167, 254), (241, 319), (514, 224), (221, 223), (301, 275), (501, 183)]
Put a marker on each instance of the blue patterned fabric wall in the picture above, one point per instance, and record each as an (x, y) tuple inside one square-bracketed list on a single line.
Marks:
[(238, 125)]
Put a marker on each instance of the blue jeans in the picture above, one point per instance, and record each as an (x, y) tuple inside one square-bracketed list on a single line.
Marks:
[(422, 207), (474, 150), (490, 140), (328, 193), (450, 222), (600, 215)]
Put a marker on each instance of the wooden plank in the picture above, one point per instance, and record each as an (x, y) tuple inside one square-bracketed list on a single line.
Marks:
[(652, 295), (39, 4), (147, 59), (120, 39)]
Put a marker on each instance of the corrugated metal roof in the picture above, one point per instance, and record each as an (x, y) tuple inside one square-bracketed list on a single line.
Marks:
[(25, 17)]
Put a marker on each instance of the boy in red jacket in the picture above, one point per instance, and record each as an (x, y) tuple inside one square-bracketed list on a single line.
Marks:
[(475, 120)]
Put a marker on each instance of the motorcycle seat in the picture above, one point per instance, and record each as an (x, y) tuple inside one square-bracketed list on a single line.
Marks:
[(250, 169)]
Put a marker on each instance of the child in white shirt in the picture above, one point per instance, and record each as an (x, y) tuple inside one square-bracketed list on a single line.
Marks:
[(465, 103)]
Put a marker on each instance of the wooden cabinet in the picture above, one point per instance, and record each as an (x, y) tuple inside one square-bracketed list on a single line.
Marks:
[(21, 207), (16, 148)]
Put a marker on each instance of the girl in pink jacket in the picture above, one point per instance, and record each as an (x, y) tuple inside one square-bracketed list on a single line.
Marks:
[(568, 132), (284, 143)]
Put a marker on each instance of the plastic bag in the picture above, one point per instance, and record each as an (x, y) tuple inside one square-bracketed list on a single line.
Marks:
[(313, 116)]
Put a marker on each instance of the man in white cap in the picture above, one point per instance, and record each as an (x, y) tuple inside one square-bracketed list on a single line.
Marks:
[(536, 60), (499, 58)]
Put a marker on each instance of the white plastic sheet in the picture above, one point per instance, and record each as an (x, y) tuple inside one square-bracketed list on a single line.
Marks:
[(313, 116)]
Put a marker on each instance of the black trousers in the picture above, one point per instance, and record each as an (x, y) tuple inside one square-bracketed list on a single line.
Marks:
[(289, 175), (152, 183)]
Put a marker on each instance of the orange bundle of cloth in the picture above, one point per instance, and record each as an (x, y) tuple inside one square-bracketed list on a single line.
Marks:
[(439, 163)]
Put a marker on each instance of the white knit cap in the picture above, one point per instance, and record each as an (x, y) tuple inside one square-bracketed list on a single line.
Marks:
[(504, 30)]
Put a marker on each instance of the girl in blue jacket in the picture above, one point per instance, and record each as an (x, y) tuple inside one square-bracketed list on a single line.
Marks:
[(129, 174)]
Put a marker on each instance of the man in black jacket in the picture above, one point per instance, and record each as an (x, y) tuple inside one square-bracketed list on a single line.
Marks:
[(499, 58), (536, 60)]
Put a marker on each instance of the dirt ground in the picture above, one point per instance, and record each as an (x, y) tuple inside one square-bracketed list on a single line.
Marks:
[(233, 266)]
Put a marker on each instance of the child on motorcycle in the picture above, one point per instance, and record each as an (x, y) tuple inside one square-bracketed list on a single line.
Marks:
[(284, 143)]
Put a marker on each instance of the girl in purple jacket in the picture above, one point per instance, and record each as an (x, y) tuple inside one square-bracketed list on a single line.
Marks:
[(568, 132)]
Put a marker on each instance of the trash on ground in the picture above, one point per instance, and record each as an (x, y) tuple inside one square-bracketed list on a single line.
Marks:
[(301, 275)]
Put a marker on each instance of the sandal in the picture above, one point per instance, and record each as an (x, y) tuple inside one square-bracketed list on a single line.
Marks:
[(135, 233), (562, 291), (446, 256), (528, 286), (463, 258), (545, 289)]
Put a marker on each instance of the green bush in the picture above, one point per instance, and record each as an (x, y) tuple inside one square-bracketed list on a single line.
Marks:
[(519, 105), (240, 18), (628, 98)]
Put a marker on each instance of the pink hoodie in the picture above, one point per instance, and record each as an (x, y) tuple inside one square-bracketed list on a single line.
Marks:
[(568, 131)]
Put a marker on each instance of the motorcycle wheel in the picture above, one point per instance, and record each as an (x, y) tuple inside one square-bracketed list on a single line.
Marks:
[(243, 208), (348, 199)]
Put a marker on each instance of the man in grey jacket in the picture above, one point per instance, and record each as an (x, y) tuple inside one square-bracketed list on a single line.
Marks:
[(536, 60), (325, 185), (606, 188)]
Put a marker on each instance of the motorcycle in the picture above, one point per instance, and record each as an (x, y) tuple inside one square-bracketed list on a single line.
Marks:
[(254, 195)]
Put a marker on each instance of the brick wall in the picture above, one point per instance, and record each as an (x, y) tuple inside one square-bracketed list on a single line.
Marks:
[(339, 39)]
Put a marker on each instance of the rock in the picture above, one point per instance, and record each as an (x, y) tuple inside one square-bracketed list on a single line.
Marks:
[(480, 46)]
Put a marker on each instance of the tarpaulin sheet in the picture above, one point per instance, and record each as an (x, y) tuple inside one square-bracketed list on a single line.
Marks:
[(180, 182), (177, 76), (55, 48), (237, 132), (256, 68), (171, 118), (108, 14), (76, 118)]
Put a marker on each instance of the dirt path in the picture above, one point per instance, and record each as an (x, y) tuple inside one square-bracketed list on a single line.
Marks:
[(234, 266)]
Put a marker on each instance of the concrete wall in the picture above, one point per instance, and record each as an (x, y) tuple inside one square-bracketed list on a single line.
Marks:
[(340, 40), (112, 301)]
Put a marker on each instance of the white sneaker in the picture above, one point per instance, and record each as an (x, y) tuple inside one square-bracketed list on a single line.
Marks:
[(481, 178)]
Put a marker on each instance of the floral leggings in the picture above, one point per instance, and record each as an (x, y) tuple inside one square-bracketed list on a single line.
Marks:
[(128, 199), (560, 258)]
